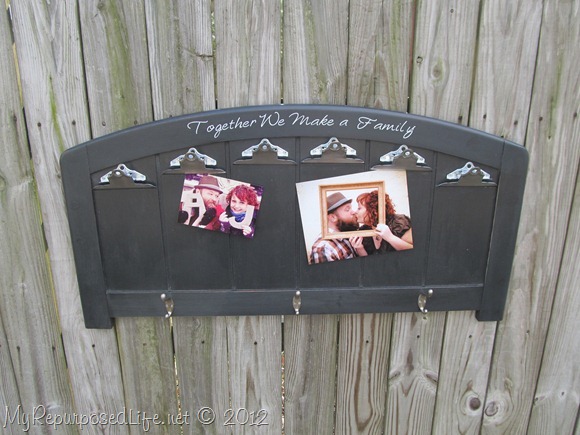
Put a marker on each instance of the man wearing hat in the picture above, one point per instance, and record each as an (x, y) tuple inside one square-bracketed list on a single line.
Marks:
[(207, 213), (340, 218)]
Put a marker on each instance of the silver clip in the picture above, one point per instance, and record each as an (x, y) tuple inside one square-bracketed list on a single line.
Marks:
[(334, 145), (422, 300), (470, 169), (402, 152), (265, 145), (169, 305), (297, 302), (192, 155), (123, 171)]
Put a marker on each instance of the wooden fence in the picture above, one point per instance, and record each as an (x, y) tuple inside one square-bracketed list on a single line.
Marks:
[(72, 71)]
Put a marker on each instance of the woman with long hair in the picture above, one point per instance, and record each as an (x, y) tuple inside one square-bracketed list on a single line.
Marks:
[(394, 235)]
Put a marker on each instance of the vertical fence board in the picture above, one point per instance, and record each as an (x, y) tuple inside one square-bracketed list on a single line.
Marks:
[(116, 64), (13, 171), (179, 37), (181, 58), (557, 397), (248, 72), (9, 395), (380, 39), (445, 41), (506, 54), (362, 373), (115, 54), (500, 106), (375, 30), (315, 40), (442, 81), (464, 372), (445, 37), (413, 372), (33, 359), (310, 341), (49, 55), (552, 136)]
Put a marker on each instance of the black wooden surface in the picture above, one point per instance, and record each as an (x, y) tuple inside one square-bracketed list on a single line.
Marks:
[(129, 248)]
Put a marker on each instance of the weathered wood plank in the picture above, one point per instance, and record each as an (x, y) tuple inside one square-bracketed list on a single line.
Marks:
[(377, 78), (413, 372), (12, 147), (506, 54), (49, 55), (315, 54), (310, 355), (9, 395), (380, 38), (202, 369), (463, 375), (310, 351), (146, 352), (247, 36), (115, 48), (443, 61), (247, 52), (552, 133), (361, 382), (179, 36), (115, 54), (557, 397)]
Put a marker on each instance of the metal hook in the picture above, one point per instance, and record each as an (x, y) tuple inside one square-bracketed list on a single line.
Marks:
[(169, 305), (422, 300), (297, 302)]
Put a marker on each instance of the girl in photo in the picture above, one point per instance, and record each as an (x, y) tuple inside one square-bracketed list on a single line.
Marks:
[(241, 211), (396, 235)]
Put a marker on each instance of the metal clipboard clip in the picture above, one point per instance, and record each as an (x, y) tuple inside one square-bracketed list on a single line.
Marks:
[(333, 151), (402, 158), (468, 175), (123, 178), (265, 153), (193, 162)]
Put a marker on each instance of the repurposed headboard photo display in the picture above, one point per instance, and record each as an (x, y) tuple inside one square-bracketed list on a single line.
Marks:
[(293, 210)]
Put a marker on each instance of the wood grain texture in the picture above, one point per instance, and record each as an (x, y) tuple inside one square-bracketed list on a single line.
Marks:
[(9, 395), (315, 51), (557, 397), (551, 138), (115, 54), (310, 351), (179, 37), (443, 62), (53, 90), (551, 132), (506, 54), (247, 52), (116, 64), (413, 371), (463, 375), (16, 282), (247, 37), (146, 352), (181, 60), (377, 77), (379, 56), (202, 369), (443, 59), (310, 356), (362, 375)]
